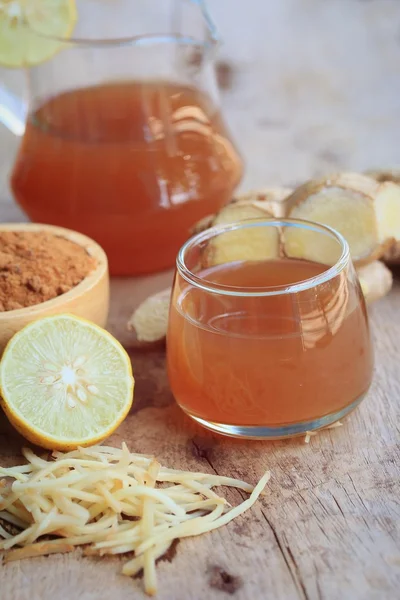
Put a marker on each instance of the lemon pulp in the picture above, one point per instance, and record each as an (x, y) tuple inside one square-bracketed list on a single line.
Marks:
[(65, 382)]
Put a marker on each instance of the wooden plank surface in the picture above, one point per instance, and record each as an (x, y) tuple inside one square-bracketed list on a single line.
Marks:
[(329, 525)]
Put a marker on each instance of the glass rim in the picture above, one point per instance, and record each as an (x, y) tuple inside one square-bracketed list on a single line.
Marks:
[(262, 291), (144, 39)]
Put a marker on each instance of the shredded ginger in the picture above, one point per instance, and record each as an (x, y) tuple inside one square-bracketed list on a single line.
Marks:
[(111, 501)]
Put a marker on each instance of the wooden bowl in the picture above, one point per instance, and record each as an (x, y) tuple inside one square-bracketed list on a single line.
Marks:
[(89, 299)]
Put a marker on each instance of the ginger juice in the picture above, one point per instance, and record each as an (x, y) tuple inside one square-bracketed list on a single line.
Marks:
[(269, 365), (133, 165)]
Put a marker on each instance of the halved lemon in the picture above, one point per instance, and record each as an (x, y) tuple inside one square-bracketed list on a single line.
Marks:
[(32, 31), (65, 382)]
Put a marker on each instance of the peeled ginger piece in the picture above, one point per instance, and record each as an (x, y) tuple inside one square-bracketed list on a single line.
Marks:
[(345, 202), (387, 207), (150, 319), (250, 243), (272, 199), (235, 212), (376, 280)]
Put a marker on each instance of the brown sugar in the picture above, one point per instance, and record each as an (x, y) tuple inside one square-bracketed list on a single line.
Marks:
[(38, 266)]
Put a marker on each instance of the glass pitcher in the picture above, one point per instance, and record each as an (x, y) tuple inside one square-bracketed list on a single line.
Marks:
[(123, 138)]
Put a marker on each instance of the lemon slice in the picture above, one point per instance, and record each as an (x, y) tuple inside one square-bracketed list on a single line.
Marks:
[(32, 31), (65, 382)]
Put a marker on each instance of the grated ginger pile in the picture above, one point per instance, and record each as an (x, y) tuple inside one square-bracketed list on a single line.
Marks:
[(111, 501)]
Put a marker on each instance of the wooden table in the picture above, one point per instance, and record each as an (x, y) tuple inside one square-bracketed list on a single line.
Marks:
[(329, 525)]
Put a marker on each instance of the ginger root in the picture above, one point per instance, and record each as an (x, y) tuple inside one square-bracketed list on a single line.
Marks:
[(150, 319), (350, 203), (258, 243), (269, 202), (388, 211), (382, 175), (272, 199), (245, 244), (376, 280), (364, 210)]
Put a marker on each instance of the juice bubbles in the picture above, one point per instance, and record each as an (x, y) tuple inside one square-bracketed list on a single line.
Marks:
[(133, 165), (242, 362)]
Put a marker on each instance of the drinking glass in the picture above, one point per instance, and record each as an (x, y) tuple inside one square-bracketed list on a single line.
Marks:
[(268, 331), (122, 135)]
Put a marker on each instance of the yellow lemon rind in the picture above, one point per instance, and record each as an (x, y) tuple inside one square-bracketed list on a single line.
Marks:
[(40, 437)]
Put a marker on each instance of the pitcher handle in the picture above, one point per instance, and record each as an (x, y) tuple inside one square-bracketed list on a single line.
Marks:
[(13, 111)]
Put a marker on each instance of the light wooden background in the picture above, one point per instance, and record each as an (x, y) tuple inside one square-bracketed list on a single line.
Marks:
[(313, 86)]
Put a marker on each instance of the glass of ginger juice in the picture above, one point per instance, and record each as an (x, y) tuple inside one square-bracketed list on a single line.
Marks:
[(268, 331)]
